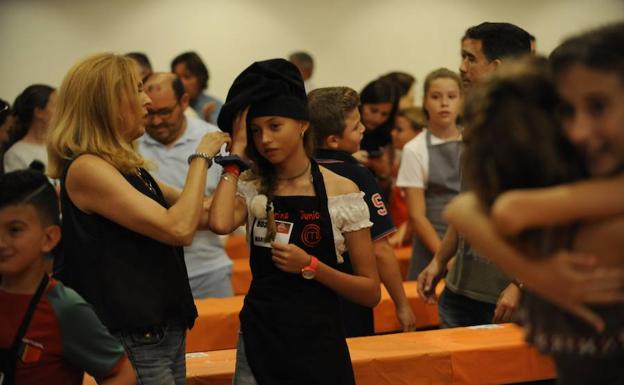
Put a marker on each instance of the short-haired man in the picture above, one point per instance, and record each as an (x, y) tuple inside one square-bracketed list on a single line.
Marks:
[(170, 138), (476, 291)]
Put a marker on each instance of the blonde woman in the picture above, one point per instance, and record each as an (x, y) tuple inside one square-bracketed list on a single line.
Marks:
[(123, 229)]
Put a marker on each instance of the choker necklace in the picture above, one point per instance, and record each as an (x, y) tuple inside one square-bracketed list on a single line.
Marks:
[(296, 176)]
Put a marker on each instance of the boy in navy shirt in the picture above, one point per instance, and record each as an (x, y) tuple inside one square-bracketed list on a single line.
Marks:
[(335, 119)]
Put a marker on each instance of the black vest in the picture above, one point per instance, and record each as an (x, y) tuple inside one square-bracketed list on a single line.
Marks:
[(132, 281)]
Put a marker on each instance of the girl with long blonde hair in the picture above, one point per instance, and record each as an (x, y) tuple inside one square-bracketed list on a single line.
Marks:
[(123, 229)]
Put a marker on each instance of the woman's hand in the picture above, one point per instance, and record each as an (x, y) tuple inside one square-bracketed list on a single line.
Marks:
[(239, 134), (289, 258), (211, 142)]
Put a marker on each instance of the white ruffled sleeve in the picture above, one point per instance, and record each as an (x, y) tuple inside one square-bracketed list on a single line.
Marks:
[(247, 189), (348, 213)]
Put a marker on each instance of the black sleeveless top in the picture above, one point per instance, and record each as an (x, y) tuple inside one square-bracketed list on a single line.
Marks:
[(132, 281)]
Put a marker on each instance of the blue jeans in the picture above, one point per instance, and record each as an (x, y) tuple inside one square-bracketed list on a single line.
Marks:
[(214, 284), (457, 310), (157, 354), (242, 371)]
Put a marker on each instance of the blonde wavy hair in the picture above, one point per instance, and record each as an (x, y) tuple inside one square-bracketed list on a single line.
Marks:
[(88, 116)]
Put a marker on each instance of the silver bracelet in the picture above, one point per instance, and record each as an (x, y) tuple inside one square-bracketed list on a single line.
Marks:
[(202, 155)]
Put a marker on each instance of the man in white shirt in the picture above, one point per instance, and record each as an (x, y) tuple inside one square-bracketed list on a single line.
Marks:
[(169, 140)]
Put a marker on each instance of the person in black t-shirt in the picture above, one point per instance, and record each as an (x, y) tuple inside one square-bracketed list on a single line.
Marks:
[(335, 119)]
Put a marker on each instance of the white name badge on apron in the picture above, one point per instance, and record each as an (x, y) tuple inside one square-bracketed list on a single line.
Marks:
[(283, 231)]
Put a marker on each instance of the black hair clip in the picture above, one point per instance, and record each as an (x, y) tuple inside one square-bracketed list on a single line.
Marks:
[(224, 160)]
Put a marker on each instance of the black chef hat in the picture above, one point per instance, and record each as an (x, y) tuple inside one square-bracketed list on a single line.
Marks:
[(270, 88)]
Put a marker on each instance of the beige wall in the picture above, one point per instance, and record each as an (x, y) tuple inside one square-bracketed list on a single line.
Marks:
[(353, 41)]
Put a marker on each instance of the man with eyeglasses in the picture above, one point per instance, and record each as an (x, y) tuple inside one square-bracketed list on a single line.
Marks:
[(170, 138)]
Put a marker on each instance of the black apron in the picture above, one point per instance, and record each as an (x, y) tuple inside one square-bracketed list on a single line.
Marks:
[(291, 326), (357, 320), (9, 357)]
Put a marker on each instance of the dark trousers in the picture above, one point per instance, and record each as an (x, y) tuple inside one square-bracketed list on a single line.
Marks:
[(457, 310)]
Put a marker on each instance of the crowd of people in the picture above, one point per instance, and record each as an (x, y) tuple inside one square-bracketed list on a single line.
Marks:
[(118, 187)]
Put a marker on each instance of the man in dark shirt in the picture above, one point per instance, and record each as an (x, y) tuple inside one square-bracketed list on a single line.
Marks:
[(335, 119)]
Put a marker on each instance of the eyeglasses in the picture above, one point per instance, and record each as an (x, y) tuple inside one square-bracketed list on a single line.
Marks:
[(163, 113)]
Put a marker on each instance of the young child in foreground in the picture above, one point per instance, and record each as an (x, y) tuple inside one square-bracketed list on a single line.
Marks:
[(48, 333)]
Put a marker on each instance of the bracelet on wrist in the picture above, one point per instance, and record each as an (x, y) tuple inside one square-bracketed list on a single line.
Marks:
[(228, 176), (201, 155)]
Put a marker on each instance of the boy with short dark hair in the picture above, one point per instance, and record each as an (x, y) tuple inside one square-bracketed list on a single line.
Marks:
[(48, 333), (335, 119)]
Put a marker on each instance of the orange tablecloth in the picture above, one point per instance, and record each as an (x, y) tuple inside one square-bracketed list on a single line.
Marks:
[(236, 248), (217, 326), (241, 276), (452, 356)]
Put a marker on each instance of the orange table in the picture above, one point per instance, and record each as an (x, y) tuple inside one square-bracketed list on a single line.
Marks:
[(217, 326), (452, 356), (241, 276), (236, 247)]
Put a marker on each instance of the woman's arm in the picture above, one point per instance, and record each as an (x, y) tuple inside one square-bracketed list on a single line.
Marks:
[(170, 193), (518, 210), (567, 279), (95, 186), (422, 227), (228, 211)]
